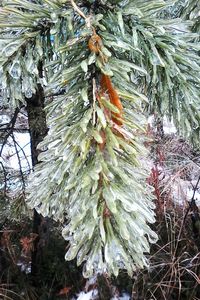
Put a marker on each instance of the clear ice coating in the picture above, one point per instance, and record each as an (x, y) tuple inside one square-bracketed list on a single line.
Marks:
[(9, 49), (15, 70), (28, 93)]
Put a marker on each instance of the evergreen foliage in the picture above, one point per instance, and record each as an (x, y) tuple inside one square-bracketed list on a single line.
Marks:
[(98, 63)]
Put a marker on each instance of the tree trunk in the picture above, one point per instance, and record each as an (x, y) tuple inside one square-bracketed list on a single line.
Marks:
[(38, 130)]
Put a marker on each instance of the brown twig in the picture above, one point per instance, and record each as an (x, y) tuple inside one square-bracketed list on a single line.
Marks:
[(81, 13)]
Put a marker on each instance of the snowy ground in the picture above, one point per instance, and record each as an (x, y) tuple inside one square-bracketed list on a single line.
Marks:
[(93, 294)]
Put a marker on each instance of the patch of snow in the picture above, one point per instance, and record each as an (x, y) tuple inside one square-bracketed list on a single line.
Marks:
[(25, 267), (196, 196), (92, 295), (4, 119), (88, 296), (90, 282), (168, 126), (182, 191), (151, 120), (24, 152), (124, 296)]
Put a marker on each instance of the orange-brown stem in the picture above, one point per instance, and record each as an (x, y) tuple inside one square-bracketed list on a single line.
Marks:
[(95, 43), (102, 145), (107, 87)]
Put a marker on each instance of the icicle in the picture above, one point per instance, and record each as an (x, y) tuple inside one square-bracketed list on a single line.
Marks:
[(15, 70)]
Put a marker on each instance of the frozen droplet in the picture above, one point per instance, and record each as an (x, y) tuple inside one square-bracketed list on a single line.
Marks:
[(52, 33), (54, 17), (28, 93), (30, 64), (9, 49), (118, 258), (87, 272), (38, 47), (15, 70)]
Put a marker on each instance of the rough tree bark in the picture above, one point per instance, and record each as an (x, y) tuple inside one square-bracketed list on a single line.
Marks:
[(37, 129)]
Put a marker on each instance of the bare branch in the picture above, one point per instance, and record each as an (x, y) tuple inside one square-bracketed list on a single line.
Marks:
[(19, 162), (10, 131), (5, 177), (15, 129), (24, 154)]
